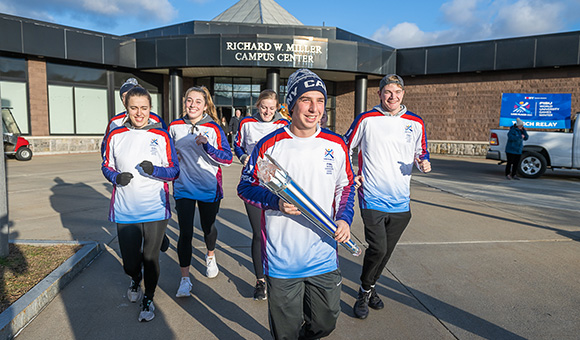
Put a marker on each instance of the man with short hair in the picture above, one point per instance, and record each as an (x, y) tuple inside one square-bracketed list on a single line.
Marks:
[(235, 124), (390, 140), (301, 262)]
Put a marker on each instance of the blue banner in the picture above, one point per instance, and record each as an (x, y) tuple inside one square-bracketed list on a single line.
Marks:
[(536, 110)]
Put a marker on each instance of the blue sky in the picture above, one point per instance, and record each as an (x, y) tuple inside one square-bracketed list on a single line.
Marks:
[(395, 23)]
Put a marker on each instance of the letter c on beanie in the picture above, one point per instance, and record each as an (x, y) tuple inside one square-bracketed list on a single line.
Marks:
[(300, 82)]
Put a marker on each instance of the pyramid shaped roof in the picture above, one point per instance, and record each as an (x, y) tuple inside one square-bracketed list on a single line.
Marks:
[(257, 12)]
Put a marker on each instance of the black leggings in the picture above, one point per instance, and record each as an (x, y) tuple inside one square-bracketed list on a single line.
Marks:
[(513, 160), (185, 213), (255, 216), (140, 243)]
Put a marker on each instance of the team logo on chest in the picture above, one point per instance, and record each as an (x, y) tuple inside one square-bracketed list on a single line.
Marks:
[(329, 155), (329, 161), (409, 133), (154, 145)]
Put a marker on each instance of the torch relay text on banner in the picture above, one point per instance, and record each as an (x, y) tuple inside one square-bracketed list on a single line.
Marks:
[(536, 110)]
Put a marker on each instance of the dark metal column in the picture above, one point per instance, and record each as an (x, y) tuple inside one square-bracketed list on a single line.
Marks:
[(360, 95), (175, 93), (273, 79), (111, 94)]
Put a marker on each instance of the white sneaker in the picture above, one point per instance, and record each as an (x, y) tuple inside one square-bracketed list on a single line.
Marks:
[(212, 268), (134, 293), (147, 309), (184, 287)]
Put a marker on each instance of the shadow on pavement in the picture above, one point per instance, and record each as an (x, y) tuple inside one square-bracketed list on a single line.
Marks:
[(575, 235), (390, 289)]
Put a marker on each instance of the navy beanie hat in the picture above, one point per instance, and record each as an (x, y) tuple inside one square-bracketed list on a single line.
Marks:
[(300, 82), (129, 84)]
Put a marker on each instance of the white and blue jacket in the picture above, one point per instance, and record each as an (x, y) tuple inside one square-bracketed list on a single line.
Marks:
[(145, 198), (387, 148), (201, 174), (252, 129), (292, 247)]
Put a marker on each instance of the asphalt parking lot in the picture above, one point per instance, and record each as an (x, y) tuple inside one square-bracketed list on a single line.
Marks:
[(483, 258)]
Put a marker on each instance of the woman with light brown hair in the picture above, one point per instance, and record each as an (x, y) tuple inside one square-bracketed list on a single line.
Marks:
[(266, 120), (202, 147)]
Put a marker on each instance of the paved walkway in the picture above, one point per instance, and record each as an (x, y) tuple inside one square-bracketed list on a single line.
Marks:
[(469, 266)]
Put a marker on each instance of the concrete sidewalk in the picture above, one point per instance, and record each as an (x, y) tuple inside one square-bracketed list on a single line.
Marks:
[(466, 268)]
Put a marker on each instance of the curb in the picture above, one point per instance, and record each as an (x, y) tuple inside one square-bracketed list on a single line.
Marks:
[(25, 309)]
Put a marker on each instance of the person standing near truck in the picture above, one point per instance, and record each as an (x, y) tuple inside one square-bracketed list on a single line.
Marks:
[(514, 147)]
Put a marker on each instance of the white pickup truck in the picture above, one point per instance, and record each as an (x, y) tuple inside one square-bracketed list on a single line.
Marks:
[(541, 151)]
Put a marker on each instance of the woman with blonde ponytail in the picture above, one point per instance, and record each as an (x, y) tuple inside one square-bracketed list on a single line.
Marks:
[(202, 147)]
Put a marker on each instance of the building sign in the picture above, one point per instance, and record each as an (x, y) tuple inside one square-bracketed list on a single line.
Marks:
[(299, 52), (541, 111)]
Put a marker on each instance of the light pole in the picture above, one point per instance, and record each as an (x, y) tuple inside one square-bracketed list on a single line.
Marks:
[(4, 232)]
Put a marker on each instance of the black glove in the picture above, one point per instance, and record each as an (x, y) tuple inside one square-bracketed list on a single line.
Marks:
[(124, 178), (147, 167), (243, 158)]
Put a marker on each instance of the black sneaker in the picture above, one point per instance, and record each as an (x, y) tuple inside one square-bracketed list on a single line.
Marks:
[(361, 306), (260, 290), (165, 243), (375, 301)]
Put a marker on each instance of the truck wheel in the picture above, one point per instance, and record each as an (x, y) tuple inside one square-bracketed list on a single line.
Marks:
[(23, 154), (532, 165)]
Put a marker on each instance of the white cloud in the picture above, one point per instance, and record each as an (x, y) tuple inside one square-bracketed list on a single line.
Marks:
[(529, 17), (106, 7), (460, 12), (472, 20), (404, 34)]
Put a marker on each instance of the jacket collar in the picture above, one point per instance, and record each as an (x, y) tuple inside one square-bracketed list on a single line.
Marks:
[(400, 113)]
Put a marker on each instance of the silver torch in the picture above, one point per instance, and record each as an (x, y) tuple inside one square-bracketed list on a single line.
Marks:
[(279, 182)]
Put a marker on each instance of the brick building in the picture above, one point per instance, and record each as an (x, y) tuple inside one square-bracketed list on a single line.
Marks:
[(63, 82)]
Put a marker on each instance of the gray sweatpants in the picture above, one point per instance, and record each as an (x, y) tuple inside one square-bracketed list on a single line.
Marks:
[(304, 308)]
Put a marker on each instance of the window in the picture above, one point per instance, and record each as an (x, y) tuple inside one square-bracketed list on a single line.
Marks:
[(78, 97), (61, 109), (240, 93), (331, 105), (77, 110), (75, 74), (89, 107), (14, 91), (12, 68), (14, 96)]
